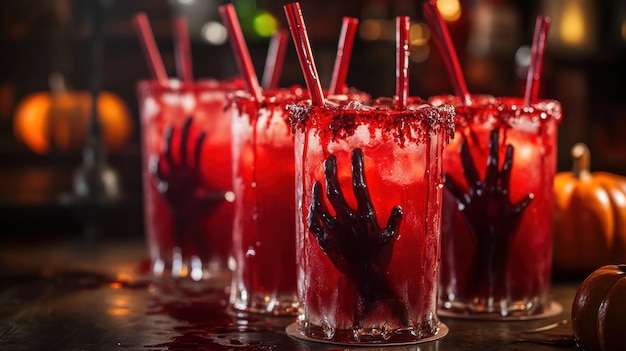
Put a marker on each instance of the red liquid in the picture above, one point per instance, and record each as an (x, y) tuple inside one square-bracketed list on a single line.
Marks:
[(189, 221), (264, 280), (263, 235), (495, 261), (359, 288)]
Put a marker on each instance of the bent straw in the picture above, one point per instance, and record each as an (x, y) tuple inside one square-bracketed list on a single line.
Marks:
[(150, 50), (533, 77), (344, 52), (182, 50), (443, 40), (303, 47), (274, 60), (242, 55), (403, 24)]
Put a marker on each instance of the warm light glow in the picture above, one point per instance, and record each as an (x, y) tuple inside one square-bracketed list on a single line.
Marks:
[(572, 28), (57, 121), (115, 285), (184, 271), (419, 34), (119, 312), (450, 10), (524, 153), (371, 29), (124, 277), (215, 33), (624, 30), (119, 306)]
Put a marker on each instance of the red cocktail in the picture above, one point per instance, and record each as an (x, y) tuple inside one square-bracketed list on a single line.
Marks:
[(368, 225), (264, 279), (497, 208), (187, 176)]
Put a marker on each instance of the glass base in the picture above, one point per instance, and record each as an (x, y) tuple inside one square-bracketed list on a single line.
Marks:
[(279, 305), (500, 311), (398, 338), (192, 268)]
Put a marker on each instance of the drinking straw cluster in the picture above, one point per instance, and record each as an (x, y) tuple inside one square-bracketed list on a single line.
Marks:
[(444, 42), (275, 56), (276, 52)]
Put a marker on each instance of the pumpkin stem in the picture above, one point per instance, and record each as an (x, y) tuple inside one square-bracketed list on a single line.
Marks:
[(581, 158), (57, 83)]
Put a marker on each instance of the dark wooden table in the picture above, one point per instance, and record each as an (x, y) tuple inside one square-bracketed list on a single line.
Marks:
[(91, 295)]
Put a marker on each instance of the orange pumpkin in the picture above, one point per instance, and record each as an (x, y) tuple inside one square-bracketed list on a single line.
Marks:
[(599, 310), (57, 121), (589, 217)]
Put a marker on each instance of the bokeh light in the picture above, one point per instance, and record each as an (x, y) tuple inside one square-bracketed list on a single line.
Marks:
[(450, 10), (371, 29), (265, 24), (215, 33)]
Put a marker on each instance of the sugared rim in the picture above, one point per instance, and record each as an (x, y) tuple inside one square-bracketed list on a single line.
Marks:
[(279, 99), (281, 95), (296, 93), (504, 108), (339, 120), (176, 85)]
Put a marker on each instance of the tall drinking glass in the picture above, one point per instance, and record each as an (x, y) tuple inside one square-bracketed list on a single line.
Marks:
[(264, 279), (497, 209), (368, 198), (187, 177)]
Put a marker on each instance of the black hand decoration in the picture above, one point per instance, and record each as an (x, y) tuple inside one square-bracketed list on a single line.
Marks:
[(490, 214), (179, 182), (353, 239)]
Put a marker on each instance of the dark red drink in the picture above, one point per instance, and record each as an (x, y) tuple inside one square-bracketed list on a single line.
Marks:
[(264, 279), (187, 177), (497, 209), (368, 224)]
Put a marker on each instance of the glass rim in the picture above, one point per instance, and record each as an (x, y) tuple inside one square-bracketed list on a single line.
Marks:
[(415, 123), (503, 106), (174, 85)]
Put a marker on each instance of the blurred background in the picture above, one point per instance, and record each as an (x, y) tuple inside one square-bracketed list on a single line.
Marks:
[(46, 47)]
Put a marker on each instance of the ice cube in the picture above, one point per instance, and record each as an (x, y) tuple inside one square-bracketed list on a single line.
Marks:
[(362, 135), (188, 103), (354, 106), (406, 164), (150, 107)]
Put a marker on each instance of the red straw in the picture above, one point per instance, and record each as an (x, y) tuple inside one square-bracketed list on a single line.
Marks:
[(150, 50), (274, 60), (242, 55), (301, 41), (542, 25), (442, 37), (403, 24), (182, 50), (344, 52)]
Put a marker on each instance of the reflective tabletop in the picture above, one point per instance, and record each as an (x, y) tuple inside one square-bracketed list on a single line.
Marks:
[(93, 295)]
